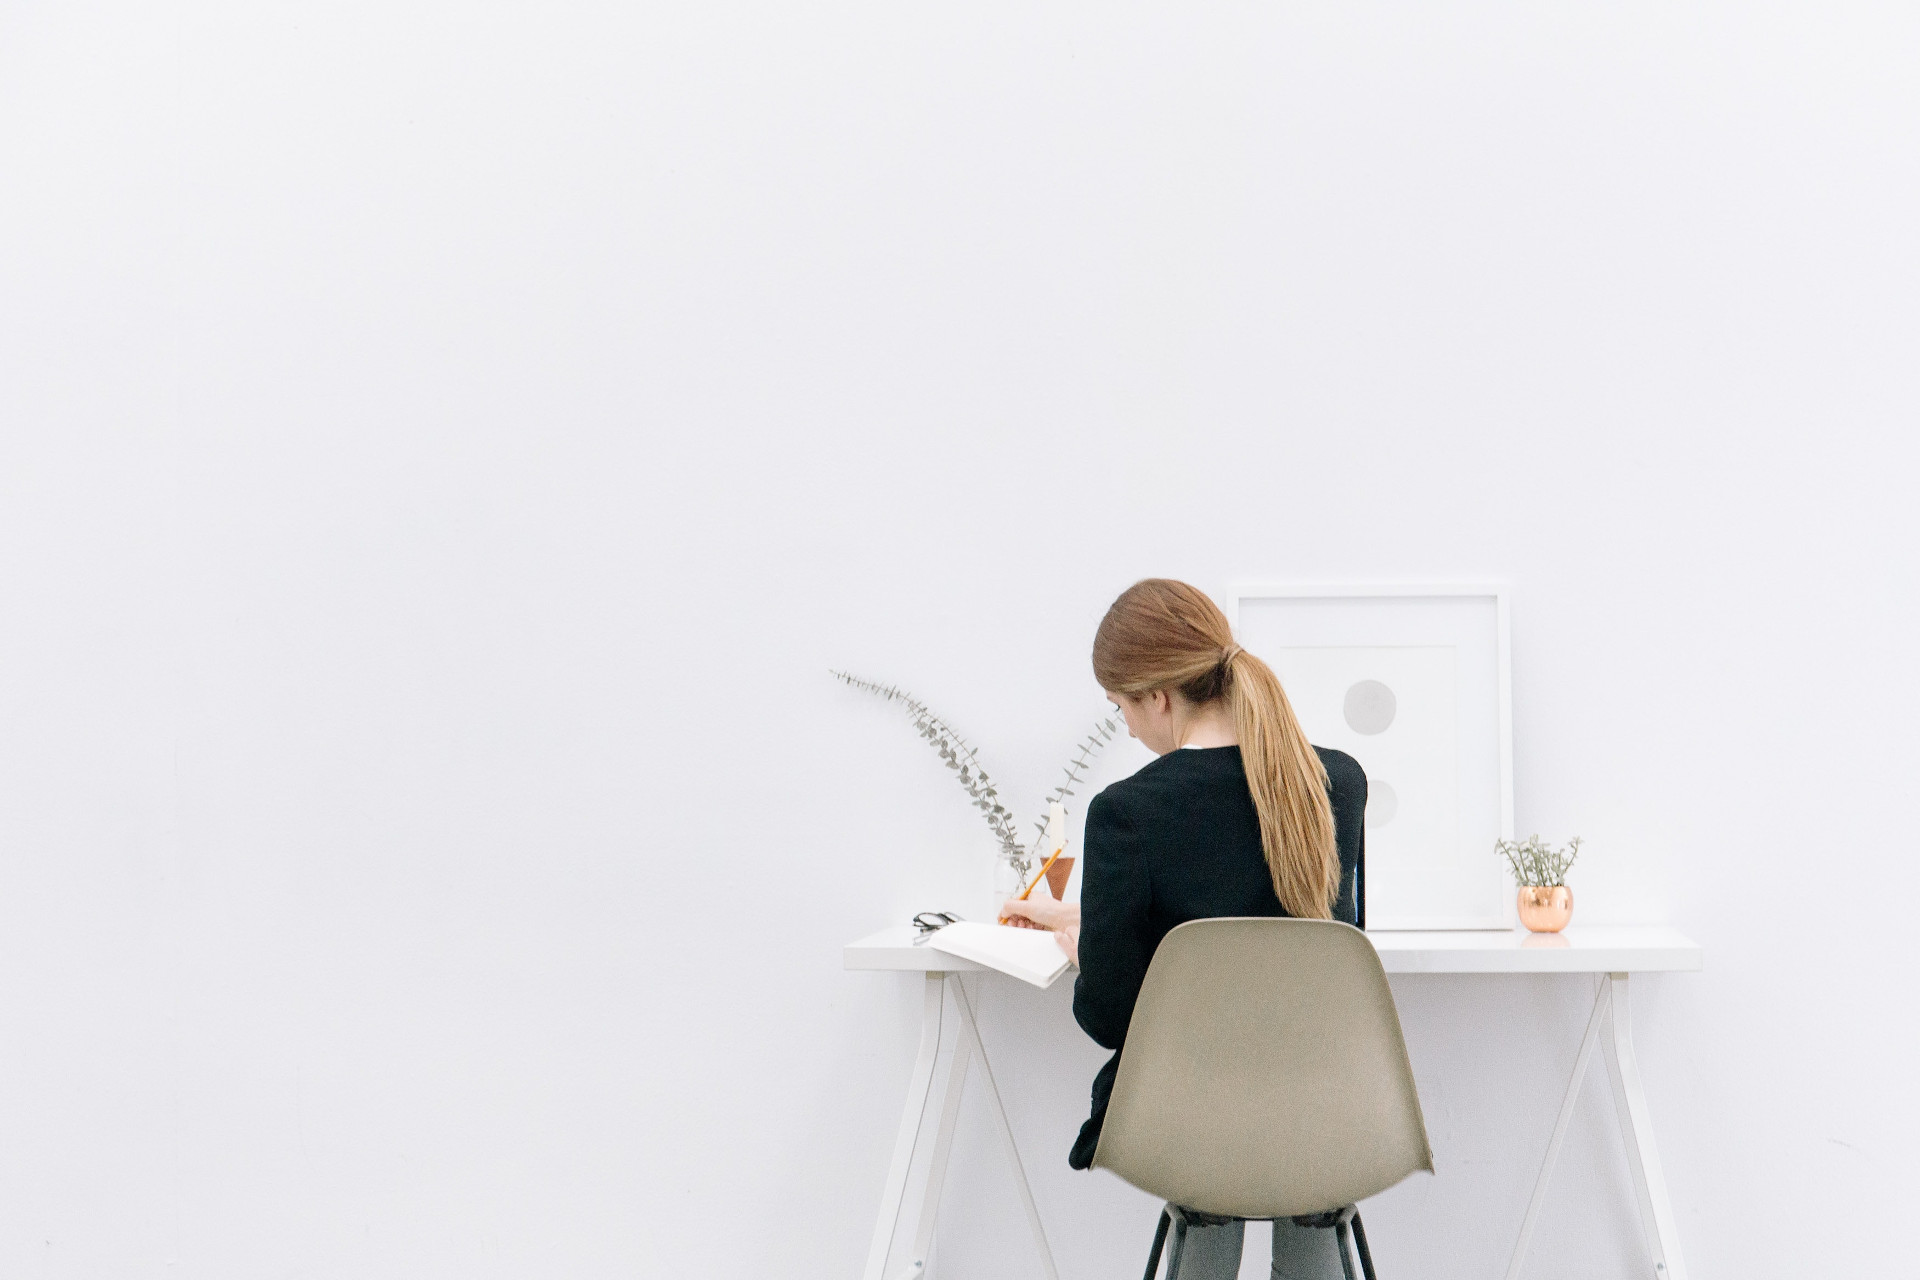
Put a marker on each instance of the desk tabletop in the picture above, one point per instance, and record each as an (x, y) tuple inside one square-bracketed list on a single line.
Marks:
[(1581, 949)]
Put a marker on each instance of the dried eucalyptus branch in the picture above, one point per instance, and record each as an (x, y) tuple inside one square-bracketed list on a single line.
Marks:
[(1536, 863), (958, 756), (1104, 731)]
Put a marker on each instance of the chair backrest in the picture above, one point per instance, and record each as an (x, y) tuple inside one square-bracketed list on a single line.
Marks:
[(1264, 1073)]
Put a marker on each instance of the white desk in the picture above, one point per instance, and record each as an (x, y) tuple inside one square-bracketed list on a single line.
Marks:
[(1617, 953)]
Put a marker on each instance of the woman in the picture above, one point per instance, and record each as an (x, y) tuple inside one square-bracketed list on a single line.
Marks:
[(1240, 816)]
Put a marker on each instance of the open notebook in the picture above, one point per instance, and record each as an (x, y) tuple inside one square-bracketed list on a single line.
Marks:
[(1030, 955)]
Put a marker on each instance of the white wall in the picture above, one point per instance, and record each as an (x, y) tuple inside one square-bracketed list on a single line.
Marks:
[(442, 448)]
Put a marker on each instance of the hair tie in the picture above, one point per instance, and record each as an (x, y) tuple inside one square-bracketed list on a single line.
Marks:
[(1228, 654)]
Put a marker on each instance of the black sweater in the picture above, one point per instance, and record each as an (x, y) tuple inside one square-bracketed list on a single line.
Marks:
[(1180, 841)]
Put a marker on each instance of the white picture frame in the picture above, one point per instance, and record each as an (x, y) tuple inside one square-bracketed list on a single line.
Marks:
[(1415, 682)]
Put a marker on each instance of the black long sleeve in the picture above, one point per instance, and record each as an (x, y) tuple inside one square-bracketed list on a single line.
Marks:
[(1116, 930), (1180, 841)]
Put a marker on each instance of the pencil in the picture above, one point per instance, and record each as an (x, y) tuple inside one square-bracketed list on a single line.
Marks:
[(1037, 879), (1045, 867)]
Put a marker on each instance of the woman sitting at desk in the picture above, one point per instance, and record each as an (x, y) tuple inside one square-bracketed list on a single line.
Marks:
[(1240, 816)]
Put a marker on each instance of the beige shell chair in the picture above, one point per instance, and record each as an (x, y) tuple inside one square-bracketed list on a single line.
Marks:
[(1264, 1077)]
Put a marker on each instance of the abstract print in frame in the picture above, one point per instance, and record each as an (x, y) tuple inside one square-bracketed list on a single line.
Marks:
[(1413, 682)]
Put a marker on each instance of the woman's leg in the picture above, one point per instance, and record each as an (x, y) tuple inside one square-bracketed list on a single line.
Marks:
[(1212, 1253), (1306, 1253)]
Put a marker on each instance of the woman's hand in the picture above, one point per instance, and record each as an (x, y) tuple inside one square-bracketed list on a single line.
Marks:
[(1042, 913)]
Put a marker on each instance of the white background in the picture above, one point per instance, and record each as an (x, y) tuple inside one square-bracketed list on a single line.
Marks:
[(442, 448)]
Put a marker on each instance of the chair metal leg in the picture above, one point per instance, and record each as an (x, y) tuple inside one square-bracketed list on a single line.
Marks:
[(1179, 1243), (1346, 1253), (1159, 1242), (1366, 1254)]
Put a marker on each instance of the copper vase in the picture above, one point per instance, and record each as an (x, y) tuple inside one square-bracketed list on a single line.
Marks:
[(1546, 908), (1057, 875)]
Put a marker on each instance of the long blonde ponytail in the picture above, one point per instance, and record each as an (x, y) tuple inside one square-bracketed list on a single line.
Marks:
[(1163, 634)]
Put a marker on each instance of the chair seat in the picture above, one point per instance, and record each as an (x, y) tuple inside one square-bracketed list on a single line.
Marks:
[(1264, 1077)]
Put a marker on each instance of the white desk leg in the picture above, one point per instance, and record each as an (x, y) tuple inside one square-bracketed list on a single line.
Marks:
[(1636, 1127), (972, 1029), (954, 1085), (932, 1004), (1587, 1043)]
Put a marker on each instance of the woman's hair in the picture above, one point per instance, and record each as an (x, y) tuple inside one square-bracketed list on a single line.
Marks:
[(1162, 634)]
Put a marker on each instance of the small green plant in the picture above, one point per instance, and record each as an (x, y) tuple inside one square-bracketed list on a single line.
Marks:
[(1536, 863)]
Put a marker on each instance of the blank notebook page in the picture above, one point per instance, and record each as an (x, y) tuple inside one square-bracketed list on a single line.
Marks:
[(1030, 955)]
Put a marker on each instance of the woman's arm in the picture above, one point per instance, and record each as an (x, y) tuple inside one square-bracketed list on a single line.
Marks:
[(1114, 945)]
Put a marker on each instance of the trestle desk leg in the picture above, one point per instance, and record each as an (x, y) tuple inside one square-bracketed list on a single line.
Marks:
[(952, 1088), (1587, 1042), (972, 1030), (932, 1002), (1636, 1129)]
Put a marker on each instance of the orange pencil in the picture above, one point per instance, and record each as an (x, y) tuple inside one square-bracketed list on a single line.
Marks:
[(1045, 867)]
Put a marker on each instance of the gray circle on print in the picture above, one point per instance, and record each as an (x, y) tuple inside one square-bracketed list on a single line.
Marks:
[(1369, 707), (1383, 803)]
